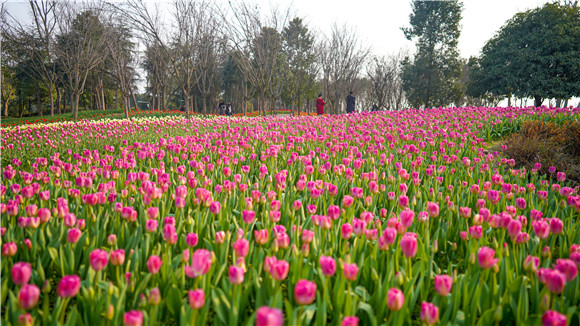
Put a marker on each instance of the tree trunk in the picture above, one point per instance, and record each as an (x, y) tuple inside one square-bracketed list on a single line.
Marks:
[(75, 104), (50, 92), (558, 102), (38, 101), (186, 99), (204, 104), (565, 103), (509, 101), (538, 101), (134, 98)]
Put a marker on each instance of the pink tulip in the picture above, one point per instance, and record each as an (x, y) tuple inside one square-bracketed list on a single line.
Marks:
[(151, 225), (443, 284), (69, 286), (531, 264), (248, 216), (279, 270), (429, 313), (117, 257), (554, 280), (328, 265), (346, 231), (347, 201), (220, 237), (358, 226), (485, 257), (25, 320), (261, 236), (556, 225), (215, 208), (541, 228), (21, 273), (133, 318), (476, 231), (403, 201), (241, 247), (433, 209), (169, 234), (514, 228), (554, 318), (154, 264), (406, 217), (333, 212), (409, 244), (28, 296), (395, 299), (153, 212), (200, 263), (307, 236), (44, 215), (567, 267), (154, 297), (98, 259), (350, 271), (305, 292), (236, 275), (191, 239), (266, 316), (196, 299), (349, 321)]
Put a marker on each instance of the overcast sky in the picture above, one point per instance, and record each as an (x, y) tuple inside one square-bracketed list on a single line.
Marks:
[(379, 22)]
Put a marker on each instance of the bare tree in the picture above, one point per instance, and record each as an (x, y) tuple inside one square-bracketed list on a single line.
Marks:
[(211, 52), (159, 76), (342, 56), (35, 42), (181, 44), (81, 45), (386, 84), (122, 57), (256, 43)]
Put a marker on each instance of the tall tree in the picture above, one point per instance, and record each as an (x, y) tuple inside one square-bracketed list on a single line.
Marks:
[(298, 47), (341, 56), (35, 42), (256, 45), (81, 46), (432, 77), (535, 54), (122, 59)]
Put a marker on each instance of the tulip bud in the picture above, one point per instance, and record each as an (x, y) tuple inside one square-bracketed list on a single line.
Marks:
[(498, 314), (110, 312), (545, 302)]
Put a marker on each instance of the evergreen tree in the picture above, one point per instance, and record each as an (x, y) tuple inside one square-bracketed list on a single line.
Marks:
[(432, 77)]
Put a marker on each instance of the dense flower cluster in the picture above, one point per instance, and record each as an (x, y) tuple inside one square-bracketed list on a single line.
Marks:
[(372, 218)]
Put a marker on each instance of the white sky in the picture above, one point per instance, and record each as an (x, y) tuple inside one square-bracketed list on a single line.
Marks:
[(378, 22)]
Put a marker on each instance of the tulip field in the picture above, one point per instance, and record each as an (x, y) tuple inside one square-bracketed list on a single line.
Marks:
[(383, 218)]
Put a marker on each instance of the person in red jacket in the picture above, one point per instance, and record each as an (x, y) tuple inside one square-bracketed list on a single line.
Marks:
[(320, 105)]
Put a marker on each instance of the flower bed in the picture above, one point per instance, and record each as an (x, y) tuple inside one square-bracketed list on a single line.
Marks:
[(373, 218)]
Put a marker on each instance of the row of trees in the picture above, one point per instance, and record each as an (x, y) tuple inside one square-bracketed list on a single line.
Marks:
[(93, 54)]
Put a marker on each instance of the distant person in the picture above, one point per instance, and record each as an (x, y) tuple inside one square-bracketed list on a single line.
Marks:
[(229, 109), (375, 108), (350, 101), (221, 107), (320, 105)]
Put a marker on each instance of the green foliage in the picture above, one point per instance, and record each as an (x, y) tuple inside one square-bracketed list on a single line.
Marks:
[(432, 77), (298, 46), (535, 54)]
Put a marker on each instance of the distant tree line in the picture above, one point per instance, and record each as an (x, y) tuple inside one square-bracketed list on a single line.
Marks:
[(92, 54)]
